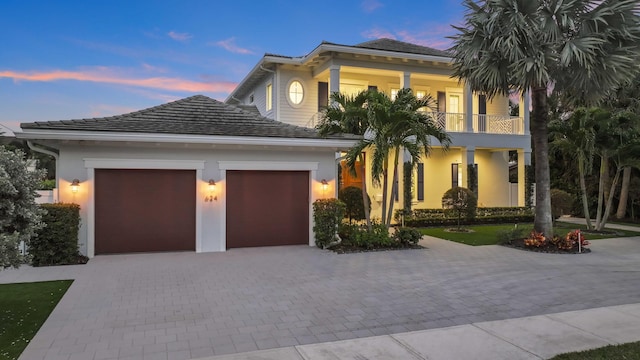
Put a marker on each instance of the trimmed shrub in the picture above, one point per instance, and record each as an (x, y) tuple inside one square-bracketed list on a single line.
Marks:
[(508, 235), (359, 237), (407, 236), (57, 242), (460, 202), (351, 196), (48, 184), (327, 215), (561, 203)]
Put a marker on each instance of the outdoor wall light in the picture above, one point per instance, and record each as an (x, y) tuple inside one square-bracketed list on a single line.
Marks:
[(325, 185), (75, 184), (212, 188)]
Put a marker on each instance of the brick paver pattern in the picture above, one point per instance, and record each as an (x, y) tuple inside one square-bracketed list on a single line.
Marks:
[(187, 305)]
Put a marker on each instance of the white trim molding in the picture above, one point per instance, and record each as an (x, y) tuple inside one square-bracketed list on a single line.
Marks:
[(93, 163), (267, 165)]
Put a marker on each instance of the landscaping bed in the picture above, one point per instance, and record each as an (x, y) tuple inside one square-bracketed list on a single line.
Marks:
[(350, 248), (548, 248)]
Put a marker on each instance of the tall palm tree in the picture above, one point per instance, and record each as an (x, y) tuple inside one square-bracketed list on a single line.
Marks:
[(625, 98), (397, 125), (582, 48), (348, 114), (618, 142), (576, 137)]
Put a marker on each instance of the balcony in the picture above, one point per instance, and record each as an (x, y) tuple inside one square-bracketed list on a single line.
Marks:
[(455, 122), (487, 124)]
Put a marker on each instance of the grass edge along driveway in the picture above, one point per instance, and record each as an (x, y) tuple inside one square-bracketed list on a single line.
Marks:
[(625, 351), (487, 234), (24, 307)]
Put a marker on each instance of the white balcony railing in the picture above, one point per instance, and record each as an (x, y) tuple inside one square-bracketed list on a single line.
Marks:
[(488, 124), (455, 122)]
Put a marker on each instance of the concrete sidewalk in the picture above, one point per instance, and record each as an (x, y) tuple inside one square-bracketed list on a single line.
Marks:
[(583, 221), (535, 337)]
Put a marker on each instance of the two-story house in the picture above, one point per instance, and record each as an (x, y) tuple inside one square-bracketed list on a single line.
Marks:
[(295, 89), (201, 175)]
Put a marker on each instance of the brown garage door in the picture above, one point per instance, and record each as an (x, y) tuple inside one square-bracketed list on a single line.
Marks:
[(144, 210), (266, 208)]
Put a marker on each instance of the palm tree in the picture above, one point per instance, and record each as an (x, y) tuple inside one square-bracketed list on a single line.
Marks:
[(581, 48), (396, 125), (618, 141), (625, 98), (576, 136), (348, 114)]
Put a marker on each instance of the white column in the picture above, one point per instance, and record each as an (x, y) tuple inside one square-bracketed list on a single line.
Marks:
[(334, 79), (405, 80), (468, 108), (468, 157), (524, 158), (526, 104)]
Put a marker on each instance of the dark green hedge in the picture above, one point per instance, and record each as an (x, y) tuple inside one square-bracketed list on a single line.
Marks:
[(485, 215), (57, 242), (493, 219)]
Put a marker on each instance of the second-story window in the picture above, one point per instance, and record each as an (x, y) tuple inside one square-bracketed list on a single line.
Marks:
[(269, 97), (296, 92)]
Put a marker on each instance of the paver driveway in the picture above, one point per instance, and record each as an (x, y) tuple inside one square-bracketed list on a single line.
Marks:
[(185, 305)]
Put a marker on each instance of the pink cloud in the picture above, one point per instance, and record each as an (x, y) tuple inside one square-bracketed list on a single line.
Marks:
[(152, 68), (179, 36), (434, 35), (110, 76), (370, 5), (230, 45), (377, 33)]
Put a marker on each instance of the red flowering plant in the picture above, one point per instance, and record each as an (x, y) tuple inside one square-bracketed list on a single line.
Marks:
[(535, 239), (576, 239)]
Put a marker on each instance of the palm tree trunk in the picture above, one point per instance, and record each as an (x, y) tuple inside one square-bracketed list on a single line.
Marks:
[(394, 188), (612, 191), (583, 190), (385, 192), (624, 193), (539, 131), (604, 164), (365, 195)]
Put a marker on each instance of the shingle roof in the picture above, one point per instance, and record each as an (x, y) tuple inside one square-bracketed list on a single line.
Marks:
[(401, 46), (195, 115)]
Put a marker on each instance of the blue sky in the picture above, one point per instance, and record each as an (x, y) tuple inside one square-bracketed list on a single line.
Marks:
[(79, 59)]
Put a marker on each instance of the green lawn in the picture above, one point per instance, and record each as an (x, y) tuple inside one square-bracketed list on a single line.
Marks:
[(23, 309), (623, 352), (487, 234)]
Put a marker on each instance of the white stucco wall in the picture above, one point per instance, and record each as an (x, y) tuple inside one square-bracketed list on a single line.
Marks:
[(72, 166)]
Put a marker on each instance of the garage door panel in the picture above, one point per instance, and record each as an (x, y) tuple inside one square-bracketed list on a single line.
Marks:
[(266, 208), (144, 210)]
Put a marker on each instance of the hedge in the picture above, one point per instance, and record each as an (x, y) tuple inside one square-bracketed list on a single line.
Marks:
[(484, 215), (57, 242)]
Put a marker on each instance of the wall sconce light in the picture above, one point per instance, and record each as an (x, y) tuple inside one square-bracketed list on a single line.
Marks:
[(212, 188), (75, 184), (325, 185)]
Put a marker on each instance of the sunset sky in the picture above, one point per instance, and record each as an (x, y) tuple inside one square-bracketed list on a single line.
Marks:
[(78, 59)]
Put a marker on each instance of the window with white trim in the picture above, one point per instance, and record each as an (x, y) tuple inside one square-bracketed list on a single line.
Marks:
[(269, 97), (296, 92)]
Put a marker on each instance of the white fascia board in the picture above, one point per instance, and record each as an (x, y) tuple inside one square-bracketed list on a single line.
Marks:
[(184, 138), (373, 52)]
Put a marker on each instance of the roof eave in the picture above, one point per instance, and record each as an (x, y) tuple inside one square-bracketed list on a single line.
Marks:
[(269, 59), (75, 135)]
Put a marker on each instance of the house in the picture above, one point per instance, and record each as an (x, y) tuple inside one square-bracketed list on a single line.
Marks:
[(295, 89), (201, 175), (191, 175)]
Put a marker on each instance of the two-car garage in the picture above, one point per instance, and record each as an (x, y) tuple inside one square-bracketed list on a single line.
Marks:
[(151, 210)]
